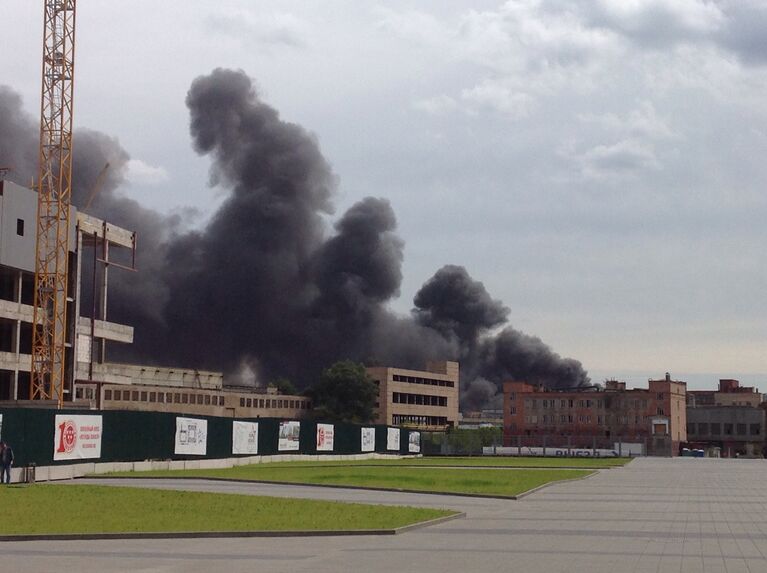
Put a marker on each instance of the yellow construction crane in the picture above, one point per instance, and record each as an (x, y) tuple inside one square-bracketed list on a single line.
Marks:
[(49, 329)]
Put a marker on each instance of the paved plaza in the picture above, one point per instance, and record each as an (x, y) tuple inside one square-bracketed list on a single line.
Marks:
[(656, 515)]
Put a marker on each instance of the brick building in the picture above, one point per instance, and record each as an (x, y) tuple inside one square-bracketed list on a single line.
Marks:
[(426, 399), (730, 393), (656, 415)]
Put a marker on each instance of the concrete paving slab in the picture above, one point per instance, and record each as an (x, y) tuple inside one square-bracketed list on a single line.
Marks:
[(654, 515)]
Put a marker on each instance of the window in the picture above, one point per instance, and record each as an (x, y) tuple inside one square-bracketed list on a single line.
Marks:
[(660, 395), (512, 396), (563, 418), (199, 398), (134, 396), (702, 428), (107, 394), (168, 398), (755, 429), (563, 403), (600, 419), (207, 400), (143, 396), (177, 398), (248, 403), (545, 403), (512, 410), (660, 412), (741, 429), (570, 404), (728, 429), (20, 227), (153, 396), (716, 429), (268, 403)]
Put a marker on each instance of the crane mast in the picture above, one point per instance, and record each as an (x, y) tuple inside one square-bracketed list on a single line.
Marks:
[(49, 329)]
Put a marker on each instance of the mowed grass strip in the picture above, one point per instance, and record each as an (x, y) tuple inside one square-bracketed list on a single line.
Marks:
[(447, 480), (477, 461), (51, 509)]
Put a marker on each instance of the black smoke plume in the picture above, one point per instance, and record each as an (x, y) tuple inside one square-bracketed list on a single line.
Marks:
[(265, 286)]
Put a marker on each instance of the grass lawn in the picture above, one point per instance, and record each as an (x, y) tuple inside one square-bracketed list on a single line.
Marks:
[(42, 509), (470, 480), (478, 461)]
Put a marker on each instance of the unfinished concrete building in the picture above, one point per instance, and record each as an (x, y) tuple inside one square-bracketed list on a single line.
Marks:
[(91, 380)]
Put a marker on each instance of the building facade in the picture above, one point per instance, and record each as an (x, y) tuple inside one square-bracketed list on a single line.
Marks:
[(730, 393), (85, 340), (727, 431), (424, 399), (655, 416)]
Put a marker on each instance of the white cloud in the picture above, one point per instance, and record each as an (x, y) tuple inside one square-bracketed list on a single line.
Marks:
[(625, 158), (275, 28), (641, 122), (499, 98), (139, 172)]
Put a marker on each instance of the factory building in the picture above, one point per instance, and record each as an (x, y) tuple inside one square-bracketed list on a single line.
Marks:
[(92, 381), (728, 422), (655, 416), (425, 399)]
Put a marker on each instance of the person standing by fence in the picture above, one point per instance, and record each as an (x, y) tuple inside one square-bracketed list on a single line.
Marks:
[(6, 462)]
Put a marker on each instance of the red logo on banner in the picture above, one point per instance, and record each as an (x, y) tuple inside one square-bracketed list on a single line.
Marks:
[(67, 437)]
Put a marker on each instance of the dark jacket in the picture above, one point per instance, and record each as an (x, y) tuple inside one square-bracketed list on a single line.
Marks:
[(6, 456)]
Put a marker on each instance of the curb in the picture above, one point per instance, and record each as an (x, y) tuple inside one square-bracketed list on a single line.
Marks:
[(301, 484), (229, 534), (551, 483)]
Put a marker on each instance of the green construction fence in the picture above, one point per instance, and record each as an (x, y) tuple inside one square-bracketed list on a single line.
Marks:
[(137, 436)]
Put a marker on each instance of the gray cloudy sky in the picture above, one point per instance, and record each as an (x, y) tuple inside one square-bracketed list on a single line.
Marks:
[(598, 165)]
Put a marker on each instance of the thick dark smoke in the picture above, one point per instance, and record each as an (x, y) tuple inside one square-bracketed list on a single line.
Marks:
[(265, 286)]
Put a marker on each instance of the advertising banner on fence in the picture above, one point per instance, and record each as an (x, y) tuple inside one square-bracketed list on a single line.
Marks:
[(550, 452), (77, 437), (325, 437), (368, 440), (288, 441), (244, 437), (414, 443), (191, 436), (392, 438)]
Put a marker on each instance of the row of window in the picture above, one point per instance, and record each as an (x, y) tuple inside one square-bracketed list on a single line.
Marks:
[(420, 399), (273, 403), (419, 380), (715, 429), (582, 419), (587, 403), (401, 419), (164, 397)]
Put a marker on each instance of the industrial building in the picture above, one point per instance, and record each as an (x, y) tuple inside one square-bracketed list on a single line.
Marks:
[(728, 422), (90, 380), (424, 399), (597, 417)]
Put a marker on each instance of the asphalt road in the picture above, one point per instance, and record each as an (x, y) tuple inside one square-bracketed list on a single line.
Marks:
[(655, 515)]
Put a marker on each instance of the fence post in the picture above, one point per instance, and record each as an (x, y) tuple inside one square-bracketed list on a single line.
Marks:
[(544, 446), (594, 446), (620, 446), (569, 447), (519, 445)]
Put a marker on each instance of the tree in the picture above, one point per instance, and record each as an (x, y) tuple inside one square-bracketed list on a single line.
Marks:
[(344, 393), (284, 386)]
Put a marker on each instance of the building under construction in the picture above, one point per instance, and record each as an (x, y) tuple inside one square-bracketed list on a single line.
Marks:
[(90, 380)]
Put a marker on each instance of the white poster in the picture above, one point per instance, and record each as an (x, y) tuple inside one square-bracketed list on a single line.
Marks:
[(288, 440), (244, 437), (414, 443), (77, 437), (392, 439), (325, 437), (191, 436), (368, 440)]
